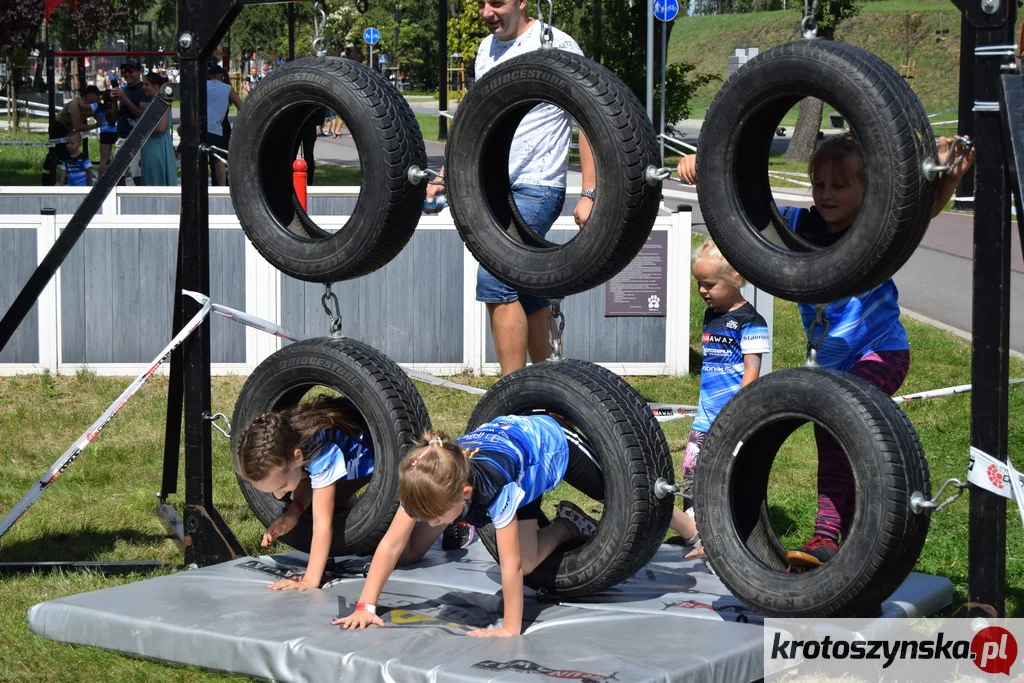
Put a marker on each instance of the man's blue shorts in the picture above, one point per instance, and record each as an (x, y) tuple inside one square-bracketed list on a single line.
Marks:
[(540, 206)]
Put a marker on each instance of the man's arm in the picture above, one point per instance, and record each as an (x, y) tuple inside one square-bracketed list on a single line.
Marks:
[(234, 99), (585, 204)]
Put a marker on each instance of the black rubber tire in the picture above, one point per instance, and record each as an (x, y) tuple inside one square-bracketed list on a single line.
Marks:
[(624, 145), (888, 466), (263, 147), (632, 452), (735, 196), (392, 410)]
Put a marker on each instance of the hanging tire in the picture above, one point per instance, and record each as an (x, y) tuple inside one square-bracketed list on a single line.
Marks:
[(888, 465), (624, 145), (896, 138), (392, 411), (632, 451), (263, 147)]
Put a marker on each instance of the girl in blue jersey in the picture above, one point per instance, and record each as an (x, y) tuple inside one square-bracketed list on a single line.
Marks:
[(864, 334), (733, 339), (495, 474), (318, 452)]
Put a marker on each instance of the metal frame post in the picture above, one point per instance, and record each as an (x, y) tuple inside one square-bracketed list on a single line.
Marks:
[(442, 49), (993, 21)]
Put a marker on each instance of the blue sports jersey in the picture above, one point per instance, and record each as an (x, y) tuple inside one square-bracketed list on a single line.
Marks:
[(103, 116), (513, 461), (335, 455), (76, 168), (726, 338), (858, 325)]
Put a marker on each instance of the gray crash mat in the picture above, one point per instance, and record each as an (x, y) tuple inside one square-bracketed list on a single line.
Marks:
[(224, 617)]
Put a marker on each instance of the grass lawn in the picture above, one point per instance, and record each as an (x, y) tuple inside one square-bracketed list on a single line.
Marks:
[(102, 508)]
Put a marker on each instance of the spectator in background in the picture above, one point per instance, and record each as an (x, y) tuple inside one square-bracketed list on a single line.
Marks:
[(126, 108), (219, 96), (226, 123), (252, 79), (73, 118), (158, 166), (307, 139), (108, 131), (101, 79)]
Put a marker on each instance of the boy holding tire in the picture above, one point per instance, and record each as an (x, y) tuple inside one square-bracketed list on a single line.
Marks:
[(862, 334), (538, 168)]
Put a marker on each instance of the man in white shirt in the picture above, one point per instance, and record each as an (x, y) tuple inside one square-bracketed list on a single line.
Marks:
[(537, 169)]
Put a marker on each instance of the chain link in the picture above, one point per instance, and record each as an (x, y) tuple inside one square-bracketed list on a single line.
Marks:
[(812, 345), (547, 36), (319, 25), (556, 325), (809, 23), (335, 315)]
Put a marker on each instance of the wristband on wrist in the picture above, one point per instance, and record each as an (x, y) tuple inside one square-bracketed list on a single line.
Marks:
[(366, 607), (298, 503), (589, 194)]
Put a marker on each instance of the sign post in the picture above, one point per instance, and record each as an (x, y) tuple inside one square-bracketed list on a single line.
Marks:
[(371, 37), (665, 11)]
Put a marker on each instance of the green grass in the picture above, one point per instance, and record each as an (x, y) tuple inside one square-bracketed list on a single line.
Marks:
[(21, 165), (102, 507)]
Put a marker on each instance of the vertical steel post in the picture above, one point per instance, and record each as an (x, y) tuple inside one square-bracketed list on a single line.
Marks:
[(442, 51), (965, 108), (993, 22)]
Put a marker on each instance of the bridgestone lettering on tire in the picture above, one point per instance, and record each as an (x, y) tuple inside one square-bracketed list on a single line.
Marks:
[(623, 143), (632, 452), (736, 199), (731, 486), (392, 411), (263, 145)]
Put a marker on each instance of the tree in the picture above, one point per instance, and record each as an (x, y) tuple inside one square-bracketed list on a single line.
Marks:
[(465, 31), (20, 21), (805, 135), (910, 31)]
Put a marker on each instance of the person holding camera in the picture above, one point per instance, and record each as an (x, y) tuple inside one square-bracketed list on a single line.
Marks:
[(126, 107)]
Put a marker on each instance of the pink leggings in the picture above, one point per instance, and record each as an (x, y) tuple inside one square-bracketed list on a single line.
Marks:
[(836, 495)]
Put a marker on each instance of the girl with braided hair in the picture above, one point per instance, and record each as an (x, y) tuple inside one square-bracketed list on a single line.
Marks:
[(496, 474), (321, 454)]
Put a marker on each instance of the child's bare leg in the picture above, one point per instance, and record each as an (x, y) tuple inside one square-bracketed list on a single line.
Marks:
[(345, 489), (423, 536), (535, 544)]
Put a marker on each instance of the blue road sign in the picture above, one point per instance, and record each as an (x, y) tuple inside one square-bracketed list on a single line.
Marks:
[(372, 35), (666, 10)]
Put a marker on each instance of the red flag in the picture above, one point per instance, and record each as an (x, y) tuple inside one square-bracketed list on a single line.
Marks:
[(51, 5)]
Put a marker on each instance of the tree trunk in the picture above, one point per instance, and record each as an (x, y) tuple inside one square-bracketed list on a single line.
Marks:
[(805, 135)]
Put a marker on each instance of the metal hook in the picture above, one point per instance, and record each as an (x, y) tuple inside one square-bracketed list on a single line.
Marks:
[(932, 170), (918, 503), (415, 174), (547, 36), (319, 23), (335, 315), (654, 175), (556, 324), (809, 22), (212, 418)]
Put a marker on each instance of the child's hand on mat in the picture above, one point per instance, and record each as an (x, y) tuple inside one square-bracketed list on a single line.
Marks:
[(492, 633), (359, 619), (292, 585), (280, 526)]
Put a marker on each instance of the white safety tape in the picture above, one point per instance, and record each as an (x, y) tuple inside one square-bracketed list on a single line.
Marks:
[(996, 477)]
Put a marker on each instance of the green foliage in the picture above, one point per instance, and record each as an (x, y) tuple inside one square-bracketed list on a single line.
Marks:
[(20, 21), (737, 6), (408, 35), (465, 31), (681, 88), (833, 12)]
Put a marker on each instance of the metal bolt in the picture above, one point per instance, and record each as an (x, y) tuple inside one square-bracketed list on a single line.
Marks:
[(168, 91), (989, 6), (185, 40)]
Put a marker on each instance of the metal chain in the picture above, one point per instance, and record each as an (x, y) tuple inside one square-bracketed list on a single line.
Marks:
[(547, 36), (556, 325), (335, 315), (319, 24), (812, 346), (809, 23)]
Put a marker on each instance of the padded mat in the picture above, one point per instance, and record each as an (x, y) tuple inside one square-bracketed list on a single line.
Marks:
[(223, 617)]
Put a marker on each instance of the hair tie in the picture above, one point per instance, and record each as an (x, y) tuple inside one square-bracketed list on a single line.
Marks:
[(438, 440), (417, 458)]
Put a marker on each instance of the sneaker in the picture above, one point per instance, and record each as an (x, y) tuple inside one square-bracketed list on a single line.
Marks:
[(582, 524), (814, 553), (457, 535)]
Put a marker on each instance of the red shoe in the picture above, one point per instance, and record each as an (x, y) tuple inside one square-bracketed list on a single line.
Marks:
[(814, 553)]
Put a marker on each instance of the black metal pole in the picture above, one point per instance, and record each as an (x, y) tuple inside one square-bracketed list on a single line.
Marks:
[(994, 23), (51, 93), (291, 32), (201, 24), (965, 108), (442, 81)]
